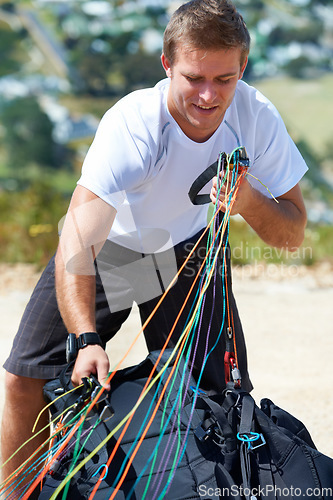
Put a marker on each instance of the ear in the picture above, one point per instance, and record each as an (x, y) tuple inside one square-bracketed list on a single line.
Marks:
[(166, 65), (243, 68)]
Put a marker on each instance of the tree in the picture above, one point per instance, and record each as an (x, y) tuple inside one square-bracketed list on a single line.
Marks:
[(140, 70), (9, 50), (27, 134)]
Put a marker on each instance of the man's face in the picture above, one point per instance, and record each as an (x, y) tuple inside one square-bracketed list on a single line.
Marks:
[(203, 84)]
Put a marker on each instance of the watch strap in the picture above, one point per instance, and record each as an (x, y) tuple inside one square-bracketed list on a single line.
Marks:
[(88, 338)]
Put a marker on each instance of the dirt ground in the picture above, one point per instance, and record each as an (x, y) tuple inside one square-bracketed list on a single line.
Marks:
[(287, 318)]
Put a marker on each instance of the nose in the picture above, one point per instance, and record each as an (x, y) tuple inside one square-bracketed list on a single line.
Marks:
[(207, 92)]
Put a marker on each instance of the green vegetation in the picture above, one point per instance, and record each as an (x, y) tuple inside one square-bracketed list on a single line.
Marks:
[(37, 174), (29, 232), (35, 198), (306, 107), (248, 248), (61, 180), (27, 134), (29, 223), (11, 53)]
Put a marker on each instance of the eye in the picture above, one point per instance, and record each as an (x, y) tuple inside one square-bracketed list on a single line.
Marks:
[(225, 82), (191, 79)]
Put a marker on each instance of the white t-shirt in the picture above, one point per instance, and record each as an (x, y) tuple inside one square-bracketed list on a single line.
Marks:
[(143, 164)]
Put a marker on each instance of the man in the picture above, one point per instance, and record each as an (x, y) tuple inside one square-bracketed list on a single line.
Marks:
[(147, 152)]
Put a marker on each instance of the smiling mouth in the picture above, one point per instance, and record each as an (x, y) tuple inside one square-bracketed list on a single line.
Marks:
[(205, 108)]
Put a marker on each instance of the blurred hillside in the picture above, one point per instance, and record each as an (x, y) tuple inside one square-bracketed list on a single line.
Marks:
[(64, 63)]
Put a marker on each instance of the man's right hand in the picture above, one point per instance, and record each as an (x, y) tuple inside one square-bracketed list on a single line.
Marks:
[(91, 360)]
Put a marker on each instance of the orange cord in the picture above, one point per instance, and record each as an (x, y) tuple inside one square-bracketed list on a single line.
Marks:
[(77, 425), (121, 480), (151, 374), (72, 432)]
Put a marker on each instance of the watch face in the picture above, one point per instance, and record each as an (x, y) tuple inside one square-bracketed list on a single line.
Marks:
[(71, 347), (67, 350)]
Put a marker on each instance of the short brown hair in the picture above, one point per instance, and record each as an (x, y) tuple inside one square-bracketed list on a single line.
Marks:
[(206, 24)]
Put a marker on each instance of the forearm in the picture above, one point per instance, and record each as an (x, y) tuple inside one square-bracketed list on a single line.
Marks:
[(76, 298), (278, 224), (86, 227), (76, 302)]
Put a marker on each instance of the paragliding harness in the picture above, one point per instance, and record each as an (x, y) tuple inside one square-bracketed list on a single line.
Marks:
[(233, 447), (145, 440)]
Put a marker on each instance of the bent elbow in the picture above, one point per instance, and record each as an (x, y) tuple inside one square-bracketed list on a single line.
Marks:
[(297, 238)]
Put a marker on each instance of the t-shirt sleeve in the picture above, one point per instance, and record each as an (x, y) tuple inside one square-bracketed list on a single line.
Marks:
[(276, 162), (118, 158)]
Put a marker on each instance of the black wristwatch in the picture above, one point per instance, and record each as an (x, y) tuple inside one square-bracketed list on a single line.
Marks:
[(73, 343)]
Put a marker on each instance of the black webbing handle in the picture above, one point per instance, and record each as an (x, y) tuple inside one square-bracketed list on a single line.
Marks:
[(238, 157), (199, 183)]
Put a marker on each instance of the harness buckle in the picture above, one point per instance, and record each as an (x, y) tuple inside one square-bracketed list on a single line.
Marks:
[(203, 434), (251, 438), (209, 429)]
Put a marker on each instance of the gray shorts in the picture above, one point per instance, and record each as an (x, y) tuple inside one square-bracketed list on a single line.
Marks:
[(39, 346)]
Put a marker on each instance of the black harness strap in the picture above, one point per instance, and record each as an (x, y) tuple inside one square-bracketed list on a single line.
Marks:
[(199, 183), (218, 413)]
